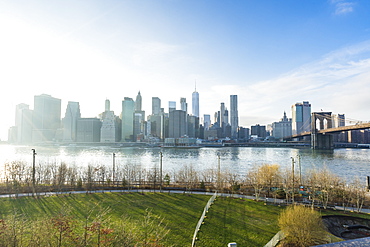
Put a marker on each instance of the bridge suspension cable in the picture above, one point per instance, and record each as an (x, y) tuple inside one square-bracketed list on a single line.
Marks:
[(349, 121)]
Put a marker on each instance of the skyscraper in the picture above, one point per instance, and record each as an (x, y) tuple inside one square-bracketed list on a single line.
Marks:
[(107, 105), (283, 128), (183, 105), (110, 131), (177, 124), (207, 121), (259, 131), (128, 110), (138, 102), (139, 118), (70, 121), (156, 125), (301, 117), (88, 130), (138, 125), (234, 118), (226, 117), (171, 106), (222, 115), (46, 118), (156, 105), (195, 103), (338, 120), (23, 123), (156, 119)]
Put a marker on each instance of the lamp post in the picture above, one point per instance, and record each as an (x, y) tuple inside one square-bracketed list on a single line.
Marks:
[(219, 171), (160, 171), (292, 179), (114, 168), (33, 172), (300, 170)]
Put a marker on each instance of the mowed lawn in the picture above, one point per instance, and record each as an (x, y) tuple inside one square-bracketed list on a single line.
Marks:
[(246, 222)]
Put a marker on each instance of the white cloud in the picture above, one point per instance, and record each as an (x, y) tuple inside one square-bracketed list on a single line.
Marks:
[(339, 82), (342, 7)]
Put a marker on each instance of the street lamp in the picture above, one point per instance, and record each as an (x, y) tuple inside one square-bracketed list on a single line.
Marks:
[(160, 171), (292, 179), (300, 170), (33, 172), (219, 172), (114, 168)]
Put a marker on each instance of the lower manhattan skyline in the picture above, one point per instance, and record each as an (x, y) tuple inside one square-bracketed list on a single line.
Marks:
[(271, 54)]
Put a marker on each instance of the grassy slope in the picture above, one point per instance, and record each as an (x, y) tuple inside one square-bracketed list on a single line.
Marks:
[(243, 221), (179, 212), (246, 222)]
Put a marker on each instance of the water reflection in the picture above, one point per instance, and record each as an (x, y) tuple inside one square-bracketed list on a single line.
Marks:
[(346, 163)]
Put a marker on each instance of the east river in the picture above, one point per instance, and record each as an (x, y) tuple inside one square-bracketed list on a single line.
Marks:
[(346, 163)]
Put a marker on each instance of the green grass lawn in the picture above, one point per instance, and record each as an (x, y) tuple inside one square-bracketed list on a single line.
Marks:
[(246, 222), (243, 221), (179, 212)]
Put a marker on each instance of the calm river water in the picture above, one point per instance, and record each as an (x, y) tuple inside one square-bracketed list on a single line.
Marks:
[(346, 163)]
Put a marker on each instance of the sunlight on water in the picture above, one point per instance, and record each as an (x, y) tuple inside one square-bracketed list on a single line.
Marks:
[(346, 163)]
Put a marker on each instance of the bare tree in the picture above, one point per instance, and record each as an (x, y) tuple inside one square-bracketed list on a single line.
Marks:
[(89, 177), (344, 194), (358, 193), (255, 180), (154, 230), (129, 174), (188, 177), (209, 177), (271, 176), (101, 173), (44, 171), (233, 180), (263, 177), (323, 186), (61, 176), (71, 176), (16, 171)]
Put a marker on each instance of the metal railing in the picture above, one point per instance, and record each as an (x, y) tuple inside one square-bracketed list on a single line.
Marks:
[(275, 240), (197, 228)]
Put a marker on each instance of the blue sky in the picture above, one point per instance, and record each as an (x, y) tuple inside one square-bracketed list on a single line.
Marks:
[(272, 54)]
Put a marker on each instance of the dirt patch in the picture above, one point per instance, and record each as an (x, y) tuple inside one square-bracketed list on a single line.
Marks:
[(347, 227)]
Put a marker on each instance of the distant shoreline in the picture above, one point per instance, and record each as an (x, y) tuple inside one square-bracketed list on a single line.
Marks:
[(207, 145)]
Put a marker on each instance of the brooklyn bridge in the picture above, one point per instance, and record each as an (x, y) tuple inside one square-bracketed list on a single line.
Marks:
[(322, 130)]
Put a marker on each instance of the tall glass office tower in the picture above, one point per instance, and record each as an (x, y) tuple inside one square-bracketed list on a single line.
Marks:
[(234, 119), (70, 119), (128, 110), (183, 105), (156, 105), (301, 117), (195, 103), (46, 118), (23, 123)]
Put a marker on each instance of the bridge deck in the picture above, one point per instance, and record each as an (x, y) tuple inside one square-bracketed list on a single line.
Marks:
[(334, 130)]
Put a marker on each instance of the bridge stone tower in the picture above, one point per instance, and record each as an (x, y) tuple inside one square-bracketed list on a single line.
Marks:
[(320, 121)]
